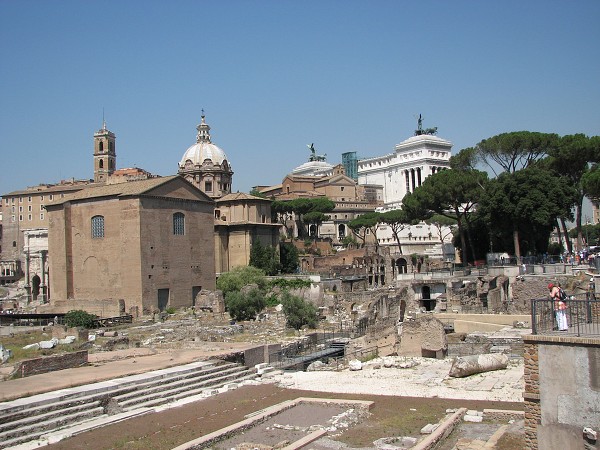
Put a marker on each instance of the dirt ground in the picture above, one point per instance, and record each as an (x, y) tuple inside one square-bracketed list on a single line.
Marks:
[(391, 416)]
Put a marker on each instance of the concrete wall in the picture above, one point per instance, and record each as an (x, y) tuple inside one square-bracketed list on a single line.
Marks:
[(562, 391)]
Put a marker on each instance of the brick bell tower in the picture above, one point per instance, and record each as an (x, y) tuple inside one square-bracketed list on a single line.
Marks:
[(105, 157)]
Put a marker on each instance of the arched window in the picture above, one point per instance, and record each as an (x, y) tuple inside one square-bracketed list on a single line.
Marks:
[(179, 224), (101, 164), (101, 147), (97, 227)]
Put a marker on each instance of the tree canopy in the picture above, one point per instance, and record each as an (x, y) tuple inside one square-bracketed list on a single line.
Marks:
[(264, 257), (450, 193), (306, 210), (397, 220), (364, 224), (527, 203), (515, 150)]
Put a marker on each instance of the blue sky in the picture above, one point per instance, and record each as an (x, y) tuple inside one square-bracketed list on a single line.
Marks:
[(274, 76)]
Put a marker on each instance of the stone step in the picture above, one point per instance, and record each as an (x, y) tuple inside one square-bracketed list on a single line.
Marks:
[(25, 420), (203, 391), (164, 394), (146, 389), (30, 432), (41, 414), (88, 391)]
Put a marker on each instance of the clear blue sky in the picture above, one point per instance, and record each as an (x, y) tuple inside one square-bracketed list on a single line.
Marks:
[(274, 76)]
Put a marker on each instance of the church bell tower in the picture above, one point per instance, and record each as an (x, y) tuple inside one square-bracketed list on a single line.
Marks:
[(105, 158)]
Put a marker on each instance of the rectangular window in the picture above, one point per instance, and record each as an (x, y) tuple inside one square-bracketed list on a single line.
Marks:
[(29, 217), (97, 227), (20, 199), (29, 199), (41, 207), (20, 217), (13, 218), (20, 209), (42, 198), (29, 208), (51, 197), (179, 224), (208, 186), (41, 216)]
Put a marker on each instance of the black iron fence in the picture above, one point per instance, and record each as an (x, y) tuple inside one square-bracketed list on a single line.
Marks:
[(583, 316)]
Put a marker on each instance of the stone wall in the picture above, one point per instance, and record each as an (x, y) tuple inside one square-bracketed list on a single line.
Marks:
[(423, 337), (260, 354), (50, 364), (562, 391), (533, 413)]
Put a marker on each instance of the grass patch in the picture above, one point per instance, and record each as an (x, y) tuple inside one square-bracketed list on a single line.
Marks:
[(390, 423), (17, 341)]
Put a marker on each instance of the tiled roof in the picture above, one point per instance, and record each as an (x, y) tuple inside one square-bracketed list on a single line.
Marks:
[(117, 190), (239, 196)]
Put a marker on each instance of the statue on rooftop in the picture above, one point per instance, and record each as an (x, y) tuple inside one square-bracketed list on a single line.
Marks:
[(314, 156), (419, 131)]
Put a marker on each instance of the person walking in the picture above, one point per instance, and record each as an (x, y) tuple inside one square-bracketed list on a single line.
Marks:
[(560, 307)]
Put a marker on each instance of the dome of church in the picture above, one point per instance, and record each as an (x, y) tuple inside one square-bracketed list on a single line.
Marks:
[(203, 149)]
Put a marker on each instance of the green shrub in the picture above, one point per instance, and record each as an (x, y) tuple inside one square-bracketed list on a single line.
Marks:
[(298, 312), (79, 318), (239, 277), (171, 310), (289, 283), (245, 306)]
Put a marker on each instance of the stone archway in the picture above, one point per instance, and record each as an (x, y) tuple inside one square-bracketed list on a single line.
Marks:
[(401, 265), (35, 286)]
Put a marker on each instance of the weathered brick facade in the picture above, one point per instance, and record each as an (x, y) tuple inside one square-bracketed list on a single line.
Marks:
[(139, 259)]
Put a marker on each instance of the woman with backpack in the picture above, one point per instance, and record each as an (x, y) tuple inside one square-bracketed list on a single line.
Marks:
[(560, 306)]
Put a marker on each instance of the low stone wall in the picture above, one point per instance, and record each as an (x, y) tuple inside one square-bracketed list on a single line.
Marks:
[(502, 415), (441, 432), (50, 364), (497, 319), (101, 308), (464, 326)]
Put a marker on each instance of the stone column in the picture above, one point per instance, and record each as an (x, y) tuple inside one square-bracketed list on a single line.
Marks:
[(27, 285), (43, 254)]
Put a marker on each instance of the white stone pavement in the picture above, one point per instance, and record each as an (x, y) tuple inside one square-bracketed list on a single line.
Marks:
[(428, 379)]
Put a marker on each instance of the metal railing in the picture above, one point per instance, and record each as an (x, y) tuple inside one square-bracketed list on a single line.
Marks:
[(583, 316)]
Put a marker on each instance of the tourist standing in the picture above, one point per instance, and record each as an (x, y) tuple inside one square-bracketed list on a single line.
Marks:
[(560, 307)]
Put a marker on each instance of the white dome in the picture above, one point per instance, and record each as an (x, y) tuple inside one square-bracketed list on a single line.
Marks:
[(202, 151), (315, 168)]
